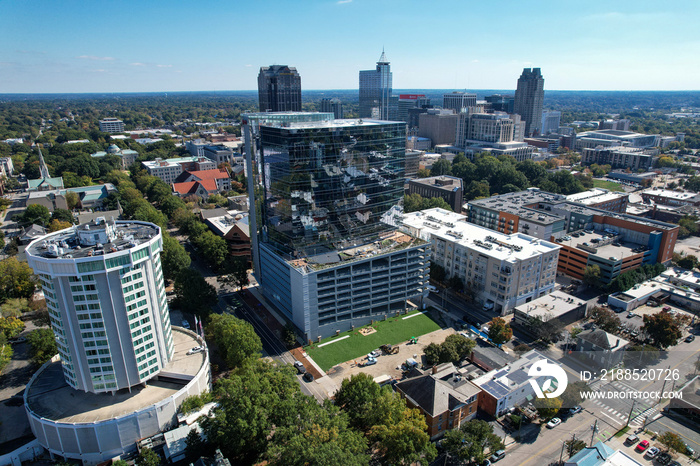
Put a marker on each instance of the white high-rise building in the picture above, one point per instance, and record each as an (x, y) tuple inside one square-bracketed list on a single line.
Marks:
[(111, 125), (105, 294)]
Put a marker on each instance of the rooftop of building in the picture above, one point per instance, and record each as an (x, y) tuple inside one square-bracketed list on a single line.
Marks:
[(387, 243), (170, 162), (50, 397), (591, 456), (602, 244), (445, 390), (595, 196), (615, 133), (97, 238), (550, 306), (454, 227), (517, 199), (446, 182), (691, 392), (344, 123), (501, 382), (603, 339), (678, 195)]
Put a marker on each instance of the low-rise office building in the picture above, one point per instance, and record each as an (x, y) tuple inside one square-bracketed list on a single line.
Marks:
[(601, 348), (503, 271), (111, 125), (556, 305), (510, 386), (600, 198), (670, 198), (612, 138), (447, 187), (620, 157)]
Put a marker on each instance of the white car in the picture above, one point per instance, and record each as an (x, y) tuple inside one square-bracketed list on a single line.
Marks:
[(652, 453), (576, 410), (195, 350), (553, 423)]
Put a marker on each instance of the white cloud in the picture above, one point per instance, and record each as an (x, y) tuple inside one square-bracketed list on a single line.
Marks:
[(340, 2), (99, 71), (475, 61), (92, 57), (137, 64), (248, 66), (164, 66)]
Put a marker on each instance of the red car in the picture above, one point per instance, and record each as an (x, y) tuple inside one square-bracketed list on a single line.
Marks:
[(643, 445)]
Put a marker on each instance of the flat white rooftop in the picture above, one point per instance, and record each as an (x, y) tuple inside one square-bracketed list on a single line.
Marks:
[(681, 196), (595, 196), (454, 227), (550, 306)]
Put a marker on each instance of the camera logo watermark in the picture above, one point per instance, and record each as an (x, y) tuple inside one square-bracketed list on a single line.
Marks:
[(542, 368)]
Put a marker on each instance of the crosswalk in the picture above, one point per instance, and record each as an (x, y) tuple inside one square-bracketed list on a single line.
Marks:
[(639, 415)]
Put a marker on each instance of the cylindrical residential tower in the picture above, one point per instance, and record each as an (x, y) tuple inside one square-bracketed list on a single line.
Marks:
[(105, 294)]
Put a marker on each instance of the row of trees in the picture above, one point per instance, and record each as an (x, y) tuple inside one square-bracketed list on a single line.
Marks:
[(662, 328), (487, 175), (262, 415)]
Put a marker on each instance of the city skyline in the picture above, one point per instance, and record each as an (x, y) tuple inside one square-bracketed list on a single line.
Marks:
[(63, 47)]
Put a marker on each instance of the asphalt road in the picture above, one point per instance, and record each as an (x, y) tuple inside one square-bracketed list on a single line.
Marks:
[(272, 346)]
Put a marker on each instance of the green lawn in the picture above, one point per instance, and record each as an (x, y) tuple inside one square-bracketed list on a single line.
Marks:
[(609, 185), (392, 331)]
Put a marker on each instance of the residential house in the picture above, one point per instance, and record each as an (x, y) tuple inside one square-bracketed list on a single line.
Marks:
[(602, 348), (444, 397)]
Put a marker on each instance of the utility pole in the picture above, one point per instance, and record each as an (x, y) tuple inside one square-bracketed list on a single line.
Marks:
[(629, 418)]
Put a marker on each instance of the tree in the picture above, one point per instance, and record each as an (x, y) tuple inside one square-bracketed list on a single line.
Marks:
[(455, 283), (403, 441), (641, 356), (147, 457), (16, 279), (591, 275), (453, 349), (10, 327), (688, 262), (65, 216), (5, 352), (195, 402), (688, 226), (236, 273), (549, 330), (15, 307), (574, 446), (672, 441), (437, 272), (58, 225), (606, 319), (195, 446), (213, 248), (499, 331), (193, 293), (145, 212), (355, 396), (321, 437), (73, 200), (235, 339), (174, 257), (43, 345), (547, 408), (522, 348), (572, 395), (441, 167), (662, 328), (471, 441), (35, 214), (252, 401)]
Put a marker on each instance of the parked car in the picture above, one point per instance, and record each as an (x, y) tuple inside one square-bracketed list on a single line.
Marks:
[(689, 338), (553, 423), (689, 451), (300, 367), (431, 288), (185, 324), (17, 341), (370, 361), (663, 459), (374, 354), (674, 463), (195, 350), (499, 455), (652, 453), (632, 439), (308, 376), (576, 410), (642, 446)]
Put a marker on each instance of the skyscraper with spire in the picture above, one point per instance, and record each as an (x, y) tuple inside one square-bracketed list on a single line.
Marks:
[(375, 91), (529, 97)]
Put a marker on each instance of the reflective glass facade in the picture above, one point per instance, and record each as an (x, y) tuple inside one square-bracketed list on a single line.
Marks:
[(326, 185)]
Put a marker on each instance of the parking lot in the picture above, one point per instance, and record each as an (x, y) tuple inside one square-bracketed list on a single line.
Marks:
[(389, 364)]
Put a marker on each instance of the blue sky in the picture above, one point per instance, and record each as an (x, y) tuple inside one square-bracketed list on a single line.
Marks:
[(133, 46)]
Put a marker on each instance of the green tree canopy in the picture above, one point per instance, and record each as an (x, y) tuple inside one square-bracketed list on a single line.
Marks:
[(235, 339), (174, 258), (35, 214), (193, 293), (43, 345), (662, 328), (499, 331), (16, 279), (472, 442)]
